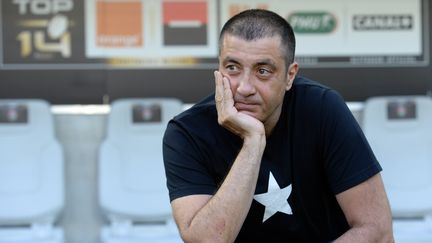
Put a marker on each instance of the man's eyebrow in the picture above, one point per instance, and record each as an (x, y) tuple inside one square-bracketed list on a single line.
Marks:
[(266, 62), (230, 59)]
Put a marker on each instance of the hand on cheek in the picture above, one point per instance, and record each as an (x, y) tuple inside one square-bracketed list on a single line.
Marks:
[(228, 116)]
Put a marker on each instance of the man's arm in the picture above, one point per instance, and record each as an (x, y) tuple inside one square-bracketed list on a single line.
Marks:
[(367, 211), (219, 218)]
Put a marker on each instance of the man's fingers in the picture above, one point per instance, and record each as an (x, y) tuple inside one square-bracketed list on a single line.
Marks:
[(218, 87), (223, 98), (223, 92), (227, 94)]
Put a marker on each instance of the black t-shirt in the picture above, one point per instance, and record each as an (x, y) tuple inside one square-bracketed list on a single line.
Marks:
[(315, 151)]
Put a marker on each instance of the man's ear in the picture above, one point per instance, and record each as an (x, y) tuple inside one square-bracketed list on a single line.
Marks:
[(292, 72)]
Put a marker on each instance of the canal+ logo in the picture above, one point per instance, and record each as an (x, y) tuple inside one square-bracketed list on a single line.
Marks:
[(312, 22), (383, 22)]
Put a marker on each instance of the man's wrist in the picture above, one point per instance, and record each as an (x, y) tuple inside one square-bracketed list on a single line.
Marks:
[(256, 141)]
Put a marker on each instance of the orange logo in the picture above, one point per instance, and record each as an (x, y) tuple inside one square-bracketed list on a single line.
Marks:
[(119, 24)]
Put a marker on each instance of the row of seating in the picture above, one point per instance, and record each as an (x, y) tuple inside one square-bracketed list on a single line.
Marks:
[(132, 184), (399, 130), (31, 172), (131, 180)]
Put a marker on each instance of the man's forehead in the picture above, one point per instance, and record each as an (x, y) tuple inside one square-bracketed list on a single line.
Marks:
[(264, 48), (236, 42), (229, 36)]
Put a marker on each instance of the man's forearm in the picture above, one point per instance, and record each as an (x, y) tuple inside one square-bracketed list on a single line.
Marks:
[(366, 233), (367, 211), (221, 218)]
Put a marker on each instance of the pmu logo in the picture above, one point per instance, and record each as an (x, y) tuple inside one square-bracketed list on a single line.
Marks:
[(383, 22), (45, 27), (312, 22)]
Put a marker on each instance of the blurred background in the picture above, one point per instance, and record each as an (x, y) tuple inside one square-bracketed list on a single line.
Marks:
[(82, 55)]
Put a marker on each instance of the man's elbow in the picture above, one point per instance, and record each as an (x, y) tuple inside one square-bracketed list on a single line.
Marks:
[(383, 232), (386, 234), (202, 238), (214, 235)]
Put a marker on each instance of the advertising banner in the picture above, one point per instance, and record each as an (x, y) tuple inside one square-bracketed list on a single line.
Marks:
[(149, 31), (349, 32), (42, 32), (93, 34)]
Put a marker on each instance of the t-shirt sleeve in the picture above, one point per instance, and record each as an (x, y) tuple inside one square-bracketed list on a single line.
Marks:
[(184, 168), (349, 160)]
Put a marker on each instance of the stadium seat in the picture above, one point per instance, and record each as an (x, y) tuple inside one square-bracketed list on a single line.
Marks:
[(132, 183), (399, 130), (31, 173)]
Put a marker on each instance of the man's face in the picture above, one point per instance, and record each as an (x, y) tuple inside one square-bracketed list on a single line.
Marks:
[(257, 74)]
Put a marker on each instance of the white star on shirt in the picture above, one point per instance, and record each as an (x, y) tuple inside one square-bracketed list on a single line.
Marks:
[(275, 199)]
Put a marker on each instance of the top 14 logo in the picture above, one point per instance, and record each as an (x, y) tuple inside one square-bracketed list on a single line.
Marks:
[(53, 25)]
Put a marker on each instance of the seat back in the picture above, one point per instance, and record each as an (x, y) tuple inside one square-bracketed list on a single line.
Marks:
[(399, 130), (132, 182), (31, 164)]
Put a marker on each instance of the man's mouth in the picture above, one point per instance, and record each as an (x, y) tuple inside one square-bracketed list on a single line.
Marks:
[(243, 106)]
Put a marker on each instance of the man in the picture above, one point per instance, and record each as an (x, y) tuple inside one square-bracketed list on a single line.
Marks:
[(271, 157)]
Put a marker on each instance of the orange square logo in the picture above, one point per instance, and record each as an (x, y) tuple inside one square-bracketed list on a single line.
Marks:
[(119, 24)]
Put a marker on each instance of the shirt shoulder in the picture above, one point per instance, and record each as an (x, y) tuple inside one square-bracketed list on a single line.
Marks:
[(311, 98), (301, 82), (310, 90), (201, 109), (198, 118)]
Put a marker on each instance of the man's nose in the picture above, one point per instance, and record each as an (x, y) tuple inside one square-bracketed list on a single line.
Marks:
[(246, 86)]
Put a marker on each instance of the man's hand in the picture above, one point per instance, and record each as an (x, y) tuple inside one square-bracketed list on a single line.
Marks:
[(228, 116)]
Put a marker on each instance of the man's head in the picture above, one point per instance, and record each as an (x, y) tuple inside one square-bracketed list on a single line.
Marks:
[(257, 24), (256, 56)]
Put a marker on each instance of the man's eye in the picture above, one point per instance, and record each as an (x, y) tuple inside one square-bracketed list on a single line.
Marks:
[(231, 67), (263, 71)]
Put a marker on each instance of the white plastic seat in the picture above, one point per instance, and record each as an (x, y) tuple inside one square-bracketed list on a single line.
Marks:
[(31, 173), (399, 130), (132, 183)]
